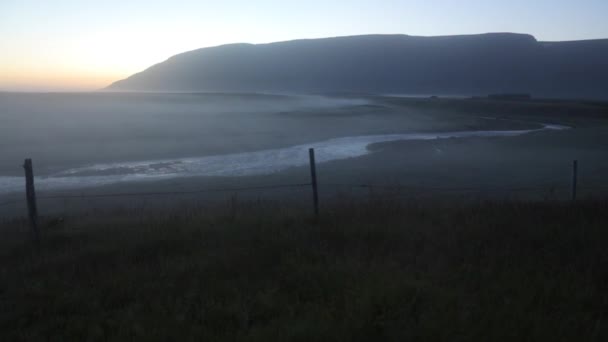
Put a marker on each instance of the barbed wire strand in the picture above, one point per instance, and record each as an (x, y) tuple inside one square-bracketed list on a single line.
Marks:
[(9, 203), (547, 187), (169, 193), (427, 188)]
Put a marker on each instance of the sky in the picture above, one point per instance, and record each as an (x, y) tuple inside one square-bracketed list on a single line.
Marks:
[(82, 45)]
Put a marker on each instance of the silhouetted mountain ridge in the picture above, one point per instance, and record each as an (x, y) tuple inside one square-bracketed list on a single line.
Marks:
[(467, 65)]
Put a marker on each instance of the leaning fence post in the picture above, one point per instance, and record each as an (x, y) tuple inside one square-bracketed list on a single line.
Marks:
[(30, 195), (313, 176), (574, 179)]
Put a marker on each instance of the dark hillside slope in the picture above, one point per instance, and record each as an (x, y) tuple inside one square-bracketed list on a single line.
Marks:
[(468, 65)]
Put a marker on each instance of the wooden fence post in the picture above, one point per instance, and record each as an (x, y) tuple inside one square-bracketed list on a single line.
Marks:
[(30, 195), (313, 175), (574, 179)]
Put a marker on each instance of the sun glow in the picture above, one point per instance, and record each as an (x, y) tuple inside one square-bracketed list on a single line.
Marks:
[(82, 45), (86, 62)]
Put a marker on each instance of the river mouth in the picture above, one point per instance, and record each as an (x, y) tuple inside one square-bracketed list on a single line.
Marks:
[(238, 164)]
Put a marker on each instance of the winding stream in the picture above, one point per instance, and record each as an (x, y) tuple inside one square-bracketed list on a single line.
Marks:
[(238, 164)]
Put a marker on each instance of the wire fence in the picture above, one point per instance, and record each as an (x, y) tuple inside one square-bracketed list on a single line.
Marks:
[(394, 190), (144, 194), (360, 186), (171, 193), (2, 204)]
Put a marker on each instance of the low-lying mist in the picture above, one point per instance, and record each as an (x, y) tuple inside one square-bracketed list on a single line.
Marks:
[(60, 130)]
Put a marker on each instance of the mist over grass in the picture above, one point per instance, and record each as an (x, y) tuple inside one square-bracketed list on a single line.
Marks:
[(71, 131)]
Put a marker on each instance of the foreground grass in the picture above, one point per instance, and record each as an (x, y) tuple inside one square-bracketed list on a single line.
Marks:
[(263, 272)]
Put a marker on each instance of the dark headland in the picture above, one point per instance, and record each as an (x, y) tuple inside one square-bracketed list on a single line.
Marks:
[(493, 63)]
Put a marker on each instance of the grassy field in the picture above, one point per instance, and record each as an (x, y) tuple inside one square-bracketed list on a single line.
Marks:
[(261, 271)]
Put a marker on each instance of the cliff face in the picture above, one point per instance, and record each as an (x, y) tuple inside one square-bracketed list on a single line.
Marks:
[(475, 64)]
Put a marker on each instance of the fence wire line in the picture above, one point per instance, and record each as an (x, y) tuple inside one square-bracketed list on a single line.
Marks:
[(169, 193), (284, 186), (9, 203), (413, 187), (164, 193)]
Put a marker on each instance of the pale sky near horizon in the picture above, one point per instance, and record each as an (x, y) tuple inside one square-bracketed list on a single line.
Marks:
[(63, 45)]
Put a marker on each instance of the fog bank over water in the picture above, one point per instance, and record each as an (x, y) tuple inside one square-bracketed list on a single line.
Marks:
[(242, 164), (81, 141), (59, 130)]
